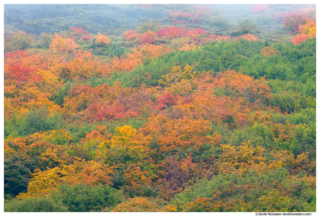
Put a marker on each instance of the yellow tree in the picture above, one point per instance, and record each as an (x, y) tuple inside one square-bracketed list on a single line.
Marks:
[(125, 146)]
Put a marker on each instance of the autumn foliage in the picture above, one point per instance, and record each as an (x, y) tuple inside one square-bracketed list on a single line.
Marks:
[(63, 44), (260, 8), (268, 51), (308, 30), (102, 39), (79, 30), (292, 22), (169, 116), (249, 37)]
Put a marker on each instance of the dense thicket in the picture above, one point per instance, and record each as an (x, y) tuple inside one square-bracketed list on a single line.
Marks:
[(167, 117)]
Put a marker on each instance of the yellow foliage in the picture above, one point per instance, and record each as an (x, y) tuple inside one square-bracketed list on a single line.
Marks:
[(187, 47), (172, 208), (139, 204), (177, 75), (43, 182), (309, 28)]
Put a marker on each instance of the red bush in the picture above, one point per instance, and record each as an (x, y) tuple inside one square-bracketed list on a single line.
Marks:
[(176, 32), (79, 30), (299, 38), (86, 37)]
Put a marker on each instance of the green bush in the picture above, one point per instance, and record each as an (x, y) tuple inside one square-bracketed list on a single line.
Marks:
[(295, 63), (36, 204), (17, 173), (74, 198), (247, 26), (229, 188), (35, 120), (85, 198)]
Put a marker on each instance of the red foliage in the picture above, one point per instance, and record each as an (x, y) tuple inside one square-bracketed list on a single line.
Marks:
[(170, 32), (260, 8), (79, 30), (16, 54), (19, 71), (86, 37), (293, 21), (149, 37), (205, 9), (279, 16), (103, 112), (146, 5), (167, 99), (299, 38), (23, 74), (179, 17), (176, 32)]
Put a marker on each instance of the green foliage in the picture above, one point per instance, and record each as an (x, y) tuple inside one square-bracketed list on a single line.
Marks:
[(36, 204), (62, 92), (139, 136), (152, 26), (74, 198), (44, 41), (247, 26), (229, 188), (17, 173), (112, 50), (80, 131), (240, 56), (17, 41), (35, 120), (85, 198), (220, 21), (39, 120)]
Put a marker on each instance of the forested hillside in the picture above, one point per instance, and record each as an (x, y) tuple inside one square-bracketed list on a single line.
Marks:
[(187, 108)]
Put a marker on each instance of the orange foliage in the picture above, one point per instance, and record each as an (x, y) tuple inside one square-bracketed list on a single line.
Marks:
[(136, 57), (43, 182), (148, 37), (179, 134), (101, 39), (63, 44), (309, 28), (213, 37), (268, 51), (130, 35), (83, 66)]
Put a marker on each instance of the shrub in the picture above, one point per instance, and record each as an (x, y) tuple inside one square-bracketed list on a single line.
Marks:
[(35, 204), (85, 198), (247, 26), (17, 41)]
